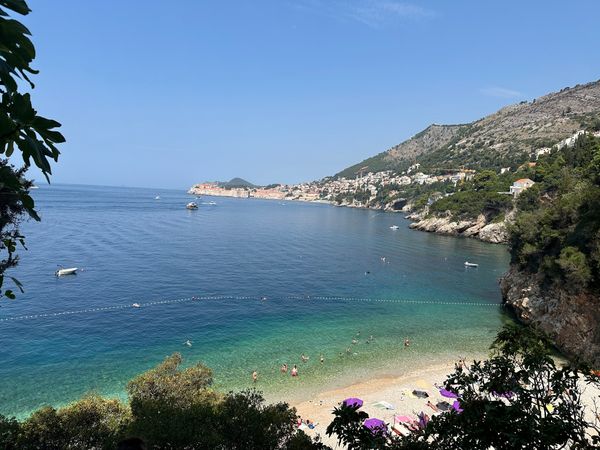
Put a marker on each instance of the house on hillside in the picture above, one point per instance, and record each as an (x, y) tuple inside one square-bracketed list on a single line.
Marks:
[(520, 185)]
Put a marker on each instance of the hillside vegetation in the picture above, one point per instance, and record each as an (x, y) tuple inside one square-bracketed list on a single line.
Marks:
[(557, 230), (502, 139)]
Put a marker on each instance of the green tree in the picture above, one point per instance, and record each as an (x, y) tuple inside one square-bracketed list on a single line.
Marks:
[(22, 129), (171, 406)]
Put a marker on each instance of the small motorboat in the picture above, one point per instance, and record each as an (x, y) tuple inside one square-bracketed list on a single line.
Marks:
[(135, 305), (157, 197), (470, 264), (394, 227), (62, 272), (192, 205)]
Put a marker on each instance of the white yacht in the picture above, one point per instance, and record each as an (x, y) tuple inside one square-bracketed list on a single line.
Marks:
[(62, 272)]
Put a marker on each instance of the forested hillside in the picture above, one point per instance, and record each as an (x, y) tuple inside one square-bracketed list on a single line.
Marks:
[(502, 139)]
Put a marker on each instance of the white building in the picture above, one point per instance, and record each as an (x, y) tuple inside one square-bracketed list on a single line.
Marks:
[(520, 185)]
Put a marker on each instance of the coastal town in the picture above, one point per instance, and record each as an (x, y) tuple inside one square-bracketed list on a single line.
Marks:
[(336, 190), (385, 189)]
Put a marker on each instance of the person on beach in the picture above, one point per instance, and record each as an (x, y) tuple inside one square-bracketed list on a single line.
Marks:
[(294, 371), (348, 350), (254, 376), (284, 368), (432, 406)]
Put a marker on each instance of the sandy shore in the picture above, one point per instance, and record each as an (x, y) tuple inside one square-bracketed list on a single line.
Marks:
[(394, 390), (397, 390)]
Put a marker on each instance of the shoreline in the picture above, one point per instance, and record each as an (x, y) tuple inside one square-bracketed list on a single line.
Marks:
[(395, 389)]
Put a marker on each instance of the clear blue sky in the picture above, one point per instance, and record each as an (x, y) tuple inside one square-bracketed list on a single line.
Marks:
[(165, 94)]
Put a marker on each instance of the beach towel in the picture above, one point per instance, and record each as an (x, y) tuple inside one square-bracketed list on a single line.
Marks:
[(384, 405), (420, 394)]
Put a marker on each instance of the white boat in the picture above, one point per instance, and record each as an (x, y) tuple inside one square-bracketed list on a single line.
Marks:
[(192, 205), (135, 305), (63, 272), (212, 203), (157, 197), (470, 264), (394, 227)]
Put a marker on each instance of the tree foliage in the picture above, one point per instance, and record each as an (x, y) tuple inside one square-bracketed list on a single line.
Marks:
[(557, 232), (169, 407), (22, 129)]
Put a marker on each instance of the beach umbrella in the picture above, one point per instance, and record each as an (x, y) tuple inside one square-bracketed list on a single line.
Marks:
[(376, 426), (405, 419), (353, 402), (456, 406), (448, 394), (508, 395)]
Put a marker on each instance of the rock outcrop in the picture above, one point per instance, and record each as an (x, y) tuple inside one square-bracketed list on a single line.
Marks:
[(571, 320), (480, 229)]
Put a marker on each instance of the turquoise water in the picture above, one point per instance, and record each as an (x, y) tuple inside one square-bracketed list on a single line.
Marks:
[(134, 248)]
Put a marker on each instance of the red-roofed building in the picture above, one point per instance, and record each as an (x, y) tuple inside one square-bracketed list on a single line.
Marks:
[(520, 185)]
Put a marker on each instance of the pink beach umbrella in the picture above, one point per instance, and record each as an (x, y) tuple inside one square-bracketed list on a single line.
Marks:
[(404, 419)]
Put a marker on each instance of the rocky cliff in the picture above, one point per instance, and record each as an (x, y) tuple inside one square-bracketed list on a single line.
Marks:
[(480, 229), (571, 320)]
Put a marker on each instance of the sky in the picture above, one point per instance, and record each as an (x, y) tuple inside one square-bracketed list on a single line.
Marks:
[(167, 94)]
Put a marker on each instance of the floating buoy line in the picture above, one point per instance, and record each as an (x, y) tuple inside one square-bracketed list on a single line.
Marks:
[(141, 304)]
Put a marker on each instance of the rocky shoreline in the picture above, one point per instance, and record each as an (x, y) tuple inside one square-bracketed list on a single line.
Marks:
[(571, 320), (479, 228)]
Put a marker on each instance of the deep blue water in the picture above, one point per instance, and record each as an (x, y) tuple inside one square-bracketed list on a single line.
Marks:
[(133, 248)]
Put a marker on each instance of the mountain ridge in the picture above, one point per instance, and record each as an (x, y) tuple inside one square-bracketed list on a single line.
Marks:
[(499, 139)]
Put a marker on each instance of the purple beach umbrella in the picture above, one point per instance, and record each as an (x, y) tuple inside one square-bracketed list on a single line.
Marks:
[(508, 395), (448, 394), (353, 402), (376, 426)]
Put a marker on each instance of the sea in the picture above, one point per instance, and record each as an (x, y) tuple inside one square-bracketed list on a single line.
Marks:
[(239, 285)]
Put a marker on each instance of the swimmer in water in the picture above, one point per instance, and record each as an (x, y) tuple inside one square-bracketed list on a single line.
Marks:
[(255, 376), (406, 343), (321, 358), (284, 368), (354, 341), (294, 371), (304, 357)]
